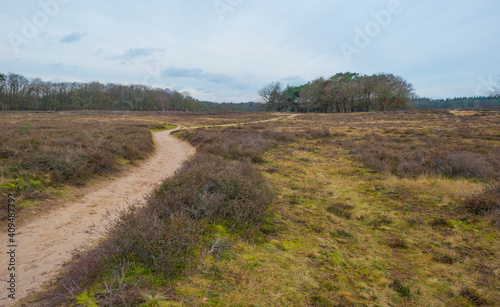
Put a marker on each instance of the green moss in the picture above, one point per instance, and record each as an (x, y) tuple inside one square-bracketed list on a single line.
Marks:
[(21, 184), (27, 203), (84, 299)]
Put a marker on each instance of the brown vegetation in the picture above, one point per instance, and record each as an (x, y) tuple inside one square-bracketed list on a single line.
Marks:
[(43, 151), (176, 226), (369, 209)]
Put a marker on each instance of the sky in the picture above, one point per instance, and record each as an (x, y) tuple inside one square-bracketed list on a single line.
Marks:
[(226, 50)]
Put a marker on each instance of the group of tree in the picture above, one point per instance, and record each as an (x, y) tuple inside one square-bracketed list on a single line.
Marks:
[(343, 93), (481, 102), (20, 93)]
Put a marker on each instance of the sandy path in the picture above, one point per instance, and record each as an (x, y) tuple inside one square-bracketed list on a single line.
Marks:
[(45, 243)]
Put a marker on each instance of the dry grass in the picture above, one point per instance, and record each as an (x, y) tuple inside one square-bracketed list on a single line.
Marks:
[(400, 247), (358, 217), (40, 152), (188, 119)]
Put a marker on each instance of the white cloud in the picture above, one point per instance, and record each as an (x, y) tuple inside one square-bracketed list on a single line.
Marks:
[(441, 48)]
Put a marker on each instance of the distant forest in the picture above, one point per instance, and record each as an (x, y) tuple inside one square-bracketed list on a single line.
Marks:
[(20, 93), (343, 92), (481, 102)]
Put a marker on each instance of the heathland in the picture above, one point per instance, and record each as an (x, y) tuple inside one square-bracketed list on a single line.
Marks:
[(364, 209)]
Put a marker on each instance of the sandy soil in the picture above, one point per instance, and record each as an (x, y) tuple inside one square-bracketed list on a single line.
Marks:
[(45, 243)]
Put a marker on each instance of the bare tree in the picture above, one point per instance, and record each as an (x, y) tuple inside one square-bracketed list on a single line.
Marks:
[(496, 90), (273, 96)]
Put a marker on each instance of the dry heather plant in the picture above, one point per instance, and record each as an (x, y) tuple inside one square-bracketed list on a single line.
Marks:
[(169, 235), (52, 149), (212, 188), (486, 201)]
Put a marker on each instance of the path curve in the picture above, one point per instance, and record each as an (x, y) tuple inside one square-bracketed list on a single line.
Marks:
[(46, 243)]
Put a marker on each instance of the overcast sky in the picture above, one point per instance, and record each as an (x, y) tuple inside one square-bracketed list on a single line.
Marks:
[(225, 50)]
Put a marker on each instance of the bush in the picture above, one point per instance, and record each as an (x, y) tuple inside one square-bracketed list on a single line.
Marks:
[(217, 190), (412, 163), (340, 209), (466, 164), (233, 143), (486, 201), (168, 245)]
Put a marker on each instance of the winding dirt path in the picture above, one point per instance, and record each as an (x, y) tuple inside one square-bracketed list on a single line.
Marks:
[(45, 243)]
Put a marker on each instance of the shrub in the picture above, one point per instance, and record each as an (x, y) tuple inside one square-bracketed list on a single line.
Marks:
[(380, 221), (401, 289), (474, 296), (212, 188), (232, 143), (340, 209), (395, 242), (440, 222), (168, 245), (466, 164), (485, 201)]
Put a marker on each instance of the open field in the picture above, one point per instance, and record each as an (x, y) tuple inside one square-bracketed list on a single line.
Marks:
[(44, 154), (368, 209)]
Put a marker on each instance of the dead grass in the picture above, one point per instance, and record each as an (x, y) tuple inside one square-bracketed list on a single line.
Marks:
[(42, 152), (368, 210), (409, 241)]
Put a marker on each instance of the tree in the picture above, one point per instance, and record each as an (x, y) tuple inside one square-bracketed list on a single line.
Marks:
[(273, 96), (3, 94), (392, 92), (313, 96), (163, 98), (496, 90), (292, 96)]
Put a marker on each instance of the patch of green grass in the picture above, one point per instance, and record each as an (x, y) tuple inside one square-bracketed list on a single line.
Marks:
[(162, 127), (84, 299), (25, 127)]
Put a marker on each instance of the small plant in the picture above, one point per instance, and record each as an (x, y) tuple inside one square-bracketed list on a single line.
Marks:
[(341, 209), (25, 127), (486, 202), (474, 296), (440, 222), (154, 300), (401, 289), (380, 220), (85, 300), (397, 243)]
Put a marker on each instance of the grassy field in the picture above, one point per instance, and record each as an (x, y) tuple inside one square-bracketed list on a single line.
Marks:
[(369, 209), (44, 154)]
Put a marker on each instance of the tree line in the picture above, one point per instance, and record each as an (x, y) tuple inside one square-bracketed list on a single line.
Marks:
[(343, 93), (20, 93), (481, 102)]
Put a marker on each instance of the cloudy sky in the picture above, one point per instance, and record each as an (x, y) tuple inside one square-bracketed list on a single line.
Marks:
[(225, 50)]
